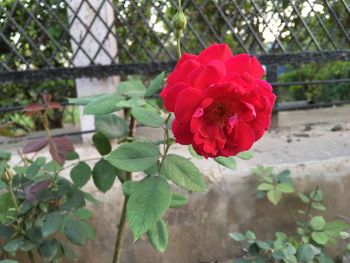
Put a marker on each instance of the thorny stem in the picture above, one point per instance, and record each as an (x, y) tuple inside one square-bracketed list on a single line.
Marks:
[(122, 221), (31, 256), (166, 144)]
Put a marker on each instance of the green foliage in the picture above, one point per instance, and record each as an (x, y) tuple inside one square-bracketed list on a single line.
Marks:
[(228, 162), (313, 232), (147, 204), (158, 235), (134, 156), (103, 105), (183, 173), (102, 143), (37, 204), (80, 174), (147, 116)]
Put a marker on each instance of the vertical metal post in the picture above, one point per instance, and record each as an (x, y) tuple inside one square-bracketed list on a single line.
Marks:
[(271, 77), (89, 22)]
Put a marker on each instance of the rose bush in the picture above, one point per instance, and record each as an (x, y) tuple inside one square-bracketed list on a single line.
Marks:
[(221, 104)]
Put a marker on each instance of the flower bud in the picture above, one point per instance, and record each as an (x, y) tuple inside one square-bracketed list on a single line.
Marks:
[(179, 21), (7, 176)]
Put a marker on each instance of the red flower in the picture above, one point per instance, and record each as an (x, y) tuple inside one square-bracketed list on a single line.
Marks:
[(221, 105)]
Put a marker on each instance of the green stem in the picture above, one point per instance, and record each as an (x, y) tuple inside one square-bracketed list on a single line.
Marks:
[(121, 227), (165, 142), (31, 256), (178, 33), (178, 45), (122, 222), (12, 195)]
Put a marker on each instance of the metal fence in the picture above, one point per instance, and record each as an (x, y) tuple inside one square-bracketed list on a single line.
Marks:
[(39, 40)]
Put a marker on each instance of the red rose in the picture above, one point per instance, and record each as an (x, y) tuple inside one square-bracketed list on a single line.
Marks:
[(220, 103)]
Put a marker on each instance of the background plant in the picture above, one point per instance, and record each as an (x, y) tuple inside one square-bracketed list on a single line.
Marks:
[(41, 212), (313, 233)]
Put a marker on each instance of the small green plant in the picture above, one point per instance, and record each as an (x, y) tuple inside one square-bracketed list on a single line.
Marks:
[(39, 209), (313, 232)]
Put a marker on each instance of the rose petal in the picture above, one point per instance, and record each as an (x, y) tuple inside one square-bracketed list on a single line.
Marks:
[(215, 52), (182, 132), (244, 63), (187, 102), (169, 98)]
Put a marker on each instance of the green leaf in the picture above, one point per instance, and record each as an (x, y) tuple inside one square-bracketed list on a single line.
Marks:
[(7, 206), (245, 155), (103, 105), (334, 228), (72, 155), (27, 245), (317, 223), (274, 196), (5, 155), (147, 204), (250, 235), (74, 231), (132, 88), (153, 170), (80, 174), (285, 188), (147, 117), (155, 85), (75, 200), (128, 187), (305, 253), (35, 234), (102, 143), (267, 178), (104, 175), (52, 223), (158, 236), (324, 259), (316, 195), (13, 245), (237, 236), (84, 100), (304, 198), (8, 261), (131, 103), (265, 187), (33, 170), (135, 156), (111, 126), (194, 153), (89, 230), (183, 173), (49, 248), (263, 245), (83, 213), (320, 238), (177, 200), (228, 162), (318, 206)]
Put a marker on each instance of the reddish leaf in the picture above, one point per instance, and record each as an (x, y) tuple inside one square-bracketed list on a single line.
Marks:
[(34, 108), (35, 146), (54, 105), (59, 147), (31, 190), (46, 98)]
